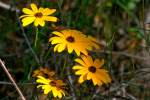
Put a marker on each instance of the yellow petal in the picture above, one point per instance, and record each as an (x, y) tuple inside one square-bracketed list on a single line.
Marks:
[(84, 52), (89, 76), (86, 60), (63, 92), (80, 72), (56, 40), (94, 42), (94, 80), (47, 90), (70, 48), (98, 81), (27, 20), (56, 48), (42, 81), (41, 22), (34, 7), (48, 11), (82, 78), (98, 63), (54, 91), (26, 16), (93, 39), (58, 33), (77, 67), (27, 11), (50, 18), (39, 86), (59, 95), (61, 47), (89, 60), (104, 75), (80, 47), (80, 62), (36, 23), (41, 9), (77, 52)]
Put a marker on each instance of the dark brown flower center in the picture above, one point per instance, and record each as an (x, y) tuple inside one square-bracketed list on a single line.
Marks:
[(39, 15), (70, 39), (92, 69), (52, 83)]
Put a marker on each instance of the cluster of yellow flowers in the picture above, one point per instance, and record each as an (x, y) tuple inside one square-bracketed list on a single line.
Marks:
[(72, 40), (47, 80)]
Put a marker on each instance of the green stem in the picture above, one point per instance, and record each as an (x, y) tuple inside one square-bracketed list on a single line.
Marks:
[(65, 64), (36, 38)]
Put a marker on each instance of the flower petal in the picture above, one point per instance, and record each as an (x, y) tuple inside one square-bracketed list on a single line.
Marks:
[(48, 11), (34, 7), (77, 52), (58, 33), (26, 16), (81, 72), (50, 18), (70, 48), (61, 47), (98, 63), (56, 40), (77, 67), (54, 91), (59, 95), (80, 62), (94, 79), (27, 20), (41, 9), (27, 11), (41, 22), (82, 78), (89, 76), (56, 48), (36, 23)]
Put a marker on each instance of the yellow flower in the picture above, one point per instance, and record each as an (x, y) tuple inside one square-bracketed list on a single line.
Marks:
[(45, 72), (54, 86), (38, 16), (90, 69), (73, 40)]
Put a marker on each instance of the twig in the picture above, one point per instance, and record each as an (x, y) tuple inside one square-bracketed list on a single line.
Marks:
[(9, 83), (96, 92), (71, 83), (11, 79), (124, 54), (6, 6)]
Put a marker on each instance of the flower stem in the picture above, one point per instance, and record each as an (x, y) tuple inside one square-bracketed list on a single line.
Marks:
[(65, 64), (36, 38)]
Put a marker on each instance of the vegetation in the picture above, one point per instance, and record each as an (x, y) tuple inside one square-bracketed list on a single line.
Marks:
[(75, 49)]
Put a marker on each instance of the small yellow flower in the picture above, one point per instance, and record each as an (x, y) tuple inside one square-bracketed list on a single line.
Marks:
[(45, 72), (90, 69), (38, 16), (73, 40), (54, 86)]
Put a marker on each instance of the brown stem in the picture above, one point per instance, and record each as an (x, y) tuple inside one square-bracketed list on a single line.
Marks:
[(12, 80)]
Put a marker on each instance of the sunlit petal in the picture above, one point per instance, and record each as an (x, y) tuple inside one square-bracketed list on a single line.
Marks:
[(34, 7), (48, 11), (27, 11), (50, 18)]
